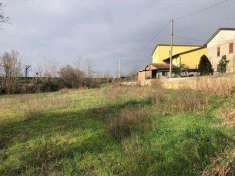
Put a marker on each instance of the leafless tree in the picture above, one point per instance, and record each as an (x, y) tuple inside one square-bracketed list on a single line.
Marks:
[(10, 70), (72, 76), (3, 17), (39, 71)]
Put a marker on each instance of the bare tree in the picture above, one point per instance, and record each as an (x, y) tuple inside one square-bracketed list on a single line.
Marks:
[(3, 17), (72, 76), (39, 71), (10, 70)]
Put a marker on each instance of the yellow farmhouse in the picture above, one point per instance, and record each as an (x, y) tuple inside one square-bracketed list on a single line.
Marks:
[(183, 55), (162, 51), (189, 59)]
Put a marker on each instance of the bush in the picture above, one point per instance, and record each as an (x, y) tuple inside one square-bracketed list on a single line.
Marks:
[(50, 84), (205, 67), (72, 77), (222, 66)]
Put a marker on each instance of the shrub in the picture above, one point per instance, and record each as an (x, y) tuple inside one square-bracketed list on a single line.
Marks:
[(205, 67), (72, 77), (222, 66), (50, 84)]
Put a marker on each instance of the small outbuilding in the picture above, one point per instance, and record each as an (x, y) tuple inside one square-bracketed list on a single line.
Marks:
[(153, 71)]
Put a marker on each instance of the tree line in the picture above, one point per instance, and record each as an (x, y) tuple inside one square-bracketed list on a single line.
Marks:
[(12, 79)]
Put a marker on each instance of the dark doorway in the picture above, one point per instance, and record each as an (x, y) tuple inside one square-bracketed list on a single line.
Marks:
[(154, 74)]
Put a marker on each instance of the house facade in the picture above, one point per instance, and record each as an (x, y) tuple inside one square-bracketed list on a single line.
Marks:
[(189, 59), (162, 51), (222, 43)]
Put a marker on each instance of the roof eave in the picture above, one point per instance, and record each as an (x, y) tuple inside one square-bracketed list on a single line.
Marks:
[(163, 44), (186, 52), (220, 29)]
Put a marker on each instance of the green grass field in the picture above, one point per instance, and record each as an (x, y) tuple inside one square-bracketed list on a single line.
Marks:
[(115, 131)]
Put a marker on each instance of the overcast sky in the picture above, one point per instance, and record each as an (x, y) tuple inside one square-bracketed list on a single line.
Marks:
[(102, 31)]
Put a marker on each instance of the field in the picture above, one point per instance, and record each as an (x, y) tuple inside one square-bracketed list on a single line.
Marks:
[(127, 131)]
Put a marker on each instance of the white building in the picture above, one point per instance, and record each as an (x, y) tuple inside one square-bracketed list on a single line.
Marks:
[(222, 43)]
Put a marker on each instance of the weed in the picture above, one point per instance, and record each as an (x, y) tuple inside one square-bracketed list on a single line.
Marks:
[(33, 107), (123, 125), (183, 100), (222, 165), (227, 114)]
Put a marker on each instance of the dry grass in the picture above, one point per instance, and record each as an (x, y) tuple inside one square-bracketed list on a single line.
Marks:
[(33, 106), (228, 116), (183, 100), (223, 165), (116, 92), (219, 86), (129, 119)]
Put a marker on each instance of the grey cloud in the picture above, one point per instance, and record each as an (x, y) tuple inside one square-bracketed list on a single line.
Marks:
[(104, 31)]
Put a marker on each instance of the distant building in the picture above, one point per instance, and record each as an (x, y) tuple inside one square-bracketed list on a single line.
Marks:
[(153, 71), (222, 43), (187, 57), (161, 63)]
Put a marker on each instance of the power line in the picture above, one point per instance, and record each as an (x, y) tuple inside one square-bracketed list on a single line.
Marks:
[(202, 10), (218, 3), (162, 29), (188, 38)]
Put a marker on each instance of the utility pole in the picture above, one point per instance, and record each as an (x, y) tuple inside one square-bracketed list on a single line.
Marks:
[(27, 68), (119, 68), (172, 43)]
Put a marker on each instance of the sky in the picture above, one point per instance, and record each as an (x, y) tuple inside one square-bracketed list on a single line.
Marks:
[(100, 32)]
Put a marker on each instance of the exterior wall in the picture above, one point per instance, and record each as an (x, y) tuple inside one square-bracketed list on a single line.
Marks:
[(162, 52), (190, 60), (143, 75), (222, 40)]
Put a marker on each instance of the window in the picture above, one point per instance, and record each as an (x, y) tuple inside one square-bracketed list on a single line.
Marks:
[(231, 48), (218, 52)]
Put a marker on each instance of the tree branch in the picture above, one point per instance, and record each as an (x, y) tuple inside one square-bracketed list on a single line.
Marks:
[(3, 17)]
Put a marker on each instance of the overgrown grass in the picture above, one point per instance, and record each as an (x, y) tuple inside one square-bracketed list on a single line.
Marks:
[(114, 131)]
